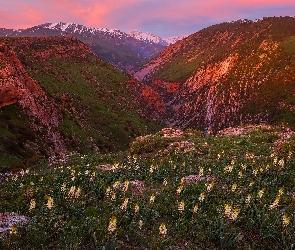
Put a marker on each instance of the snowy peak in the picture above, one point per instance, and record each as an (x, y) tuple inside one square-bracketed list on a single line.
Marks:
[(174, 39), (148, 37)]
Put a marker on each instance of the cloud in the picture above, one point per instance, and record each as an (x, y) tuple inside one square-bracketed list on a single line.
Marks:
[(165, 17)]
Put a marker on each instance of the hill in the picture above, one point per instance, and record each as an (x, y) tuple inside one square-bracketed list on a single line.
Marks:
[(57, 96), (228, 74)]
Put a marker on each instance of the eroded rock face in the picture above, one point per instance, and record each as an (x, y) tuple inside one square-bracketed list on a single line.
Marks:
[(16, 86)]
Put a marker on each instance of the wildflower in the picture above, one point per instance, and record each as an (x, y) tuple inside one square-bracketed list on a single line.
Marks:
[(178, 191), (116, 184), (182, 181), (126, 185), (49, 202), (14, 177), (32, 205), (209, 186), (140, 224), (165, 182), (72, 191), (86, 172), (281, 190), (112, 224), (201, 171), (275, 203), (228, 169), (124, 204), (13, 230), (21, 185), (73, 178), (281, 163), (240, 174), (181, 206), (251, 183), (32, 183), (151, 169), (152, 198), (196, 207), (113, 196), (261, 192), (27, 171), (234, 187), (286, 220), (136, 208), (248, 199), (22, 173), (235, 213), (92, 176), (78, 192), (202, 196), (163, 230), (275, 160), (108, 191), (255, 171), (227, 209)]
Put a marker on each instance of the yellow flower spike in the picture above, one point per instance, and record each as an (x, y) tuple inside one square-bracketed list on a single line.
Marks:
[(163, 230), (209, 186), (165, 182), (281, 190), (78, 192), (251, 183), (124, 204), (201, 171), (275, 203), (196, 207), (63, 187), (261, 192), (108, 191), (180, 188), (248, 199), (116, 184), (13, 230), (49, 202), (113, 196), (181, 206), (286, 220), (126, 185), (201, 197), (112, 224), (234, 187), (235, 213), (227, 209), (72, 191), (152, 198), (136, 208), (32, 205)]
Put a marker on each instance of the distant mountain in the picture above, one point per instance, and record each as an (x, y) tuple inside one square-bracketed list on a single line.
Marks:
[(56, 96), (228, 74), (125, 51)]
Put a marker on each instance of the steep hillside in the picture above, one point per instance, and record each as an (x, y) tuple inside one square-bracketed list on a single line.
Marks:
[(57, 96), (229, 74), (123, 50)]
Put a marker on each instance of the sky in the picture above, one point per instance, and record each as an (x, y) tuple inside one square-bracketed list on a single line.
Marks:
[(164, 18)]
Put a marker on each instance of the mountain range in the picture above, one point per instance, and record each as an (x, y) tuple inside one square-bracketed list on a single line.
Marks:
[(124, 50)]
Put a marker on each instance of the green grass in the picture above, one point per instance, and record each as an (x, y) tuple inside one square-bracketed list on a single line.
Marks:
[(245, 173)]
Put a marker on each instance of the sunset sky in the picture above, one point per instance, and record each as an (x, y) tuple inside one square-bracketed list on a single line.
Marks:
[(161, 17)]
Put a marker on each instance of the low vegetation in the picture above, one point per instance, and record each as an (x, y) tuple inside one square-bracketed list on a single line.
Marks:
[(171, 190)]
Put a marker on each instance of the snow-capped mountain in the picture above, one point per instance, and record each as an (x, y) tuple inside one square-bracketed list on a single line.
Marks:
[(112, 45)]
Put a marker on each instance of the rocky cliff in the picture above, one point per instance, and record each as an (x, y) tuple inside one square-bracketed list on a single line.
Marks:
[(229, 74)]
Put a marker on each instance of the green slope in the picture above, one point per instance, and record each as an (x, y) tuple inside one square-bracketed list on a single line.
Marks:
[(98, 109)]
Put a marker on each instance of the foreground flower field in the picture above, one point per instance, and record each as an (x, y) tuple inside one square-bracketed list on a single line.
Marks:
[(171, 190)]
